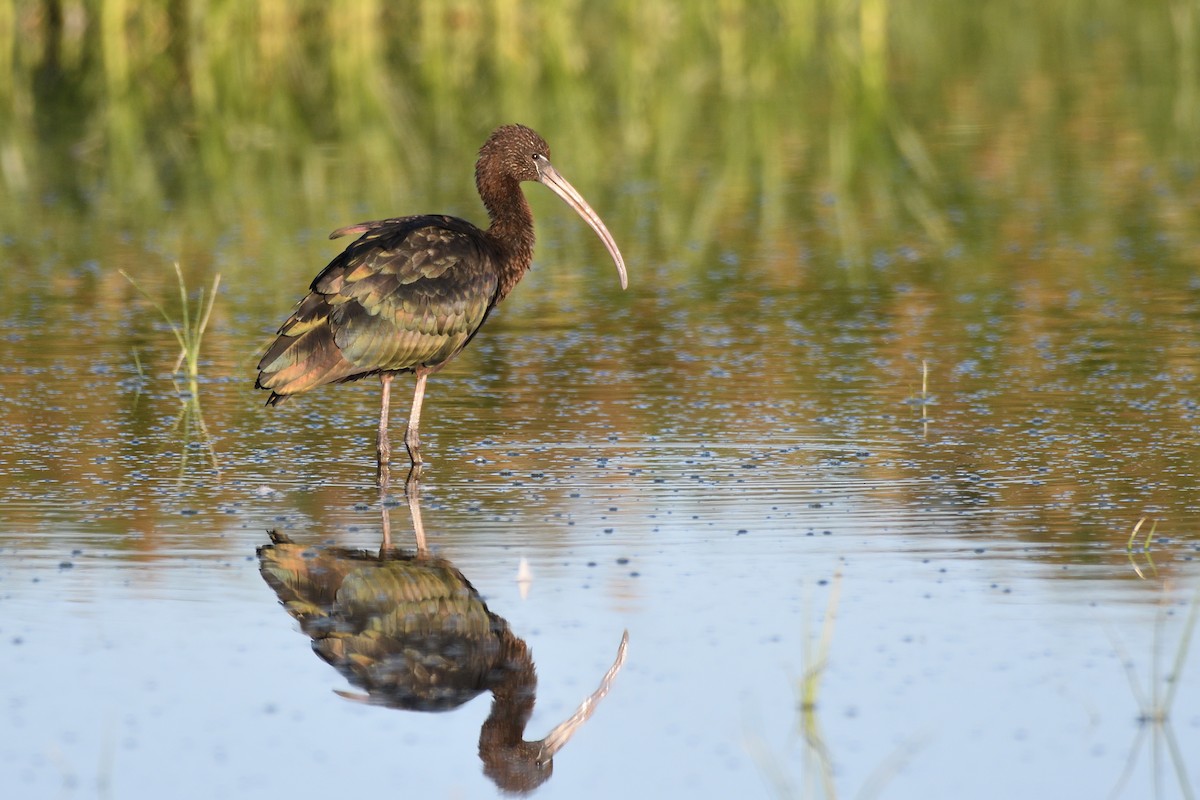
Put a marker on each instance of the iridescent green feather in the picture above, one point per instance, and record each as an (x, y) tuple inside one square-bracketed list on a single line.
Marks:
[(408, 293)]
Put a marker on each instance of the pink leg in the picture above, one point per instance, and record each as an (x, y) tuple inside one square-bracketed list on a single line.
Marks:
[(412, 436), (383, 449)]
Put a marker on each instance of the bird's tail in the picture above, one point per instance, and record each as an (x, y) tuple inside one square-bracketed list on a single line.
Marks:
[(304, 355)]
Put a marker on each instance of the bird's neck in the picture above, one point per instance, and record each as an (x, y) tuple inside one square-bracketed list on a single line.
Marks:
[(513, 683), (510, 231)]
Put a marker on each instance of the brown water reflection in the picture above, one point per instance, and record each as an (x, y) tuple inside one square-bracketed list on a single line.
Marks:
[(1051, 417)]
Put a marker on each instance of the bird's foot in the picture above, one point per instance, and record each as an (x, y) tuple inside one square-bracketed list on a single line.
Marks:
[(383, 448), (414, 472), (384, 475), (412, 482), (383, 454), (412, 443)]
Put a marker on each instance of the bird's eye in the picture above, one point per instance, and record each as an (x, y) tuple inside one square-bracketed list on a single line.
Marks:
[(538, 157)]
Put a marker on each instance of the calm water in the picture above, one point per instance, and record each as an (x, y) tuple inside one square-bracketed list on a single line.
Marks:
[(905, 466)]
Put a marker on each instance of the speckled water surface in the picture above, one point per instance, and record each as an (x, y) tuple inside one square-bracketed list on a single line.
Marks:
[(949, 490)]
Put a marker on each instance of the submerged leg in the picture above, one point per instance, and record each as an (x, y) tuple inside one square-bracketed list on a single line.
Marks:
[(413, 491), (383, 449), (387, 525), (412, 436)]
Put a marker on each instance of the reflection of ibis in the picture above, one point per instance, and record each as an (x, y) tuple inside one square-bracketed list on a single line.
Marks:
[(409, 293), (412, 633)]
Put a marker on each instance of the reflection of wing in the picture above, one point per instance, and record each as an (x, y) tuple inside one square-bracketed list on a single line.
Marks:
[(412, 632)]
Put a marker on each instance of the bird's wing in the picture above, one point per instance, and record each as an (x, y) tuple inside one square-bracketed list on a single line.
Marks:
[(405, 294), (409, 292)]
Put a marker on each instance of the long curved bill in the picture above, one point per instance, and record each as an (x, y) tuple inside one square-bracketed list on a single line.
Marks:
[(562, 732), (549, 176)]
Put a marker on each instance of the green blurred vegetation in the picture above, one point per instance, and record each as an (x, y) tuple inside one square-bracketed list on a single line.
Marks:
[(794, 135)]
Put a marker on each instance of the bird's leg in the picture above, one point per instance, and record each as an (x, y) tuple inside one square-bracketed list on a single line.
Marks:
[(412, 437), (387, 526), (413, 491), (382, 448)]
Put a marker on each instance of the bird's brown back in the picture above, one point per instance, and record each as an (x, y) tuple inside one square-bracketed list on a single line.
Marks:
[(408, 293)]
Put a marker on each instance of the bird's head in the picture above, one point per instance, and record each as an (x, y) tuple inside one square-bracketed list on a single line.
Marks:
[(515, 153)]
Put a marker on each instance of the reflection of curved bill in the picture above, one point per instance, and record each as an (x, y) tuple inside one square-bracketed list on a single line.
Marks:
[(411, 632), (562, 732)]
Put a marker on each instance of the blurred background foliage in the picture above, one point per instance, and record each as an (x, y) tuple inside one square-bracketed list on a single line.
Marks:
[(788, 136)]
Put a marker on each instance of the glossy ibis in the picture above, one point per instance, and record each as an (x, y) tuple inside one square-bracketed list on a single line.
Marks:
[(411, 292)]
